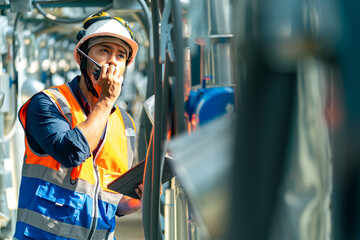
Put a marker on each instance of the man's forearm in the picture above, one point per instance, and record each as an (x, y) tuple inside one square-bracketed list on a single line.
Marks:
[(128, 205), (93, 127)]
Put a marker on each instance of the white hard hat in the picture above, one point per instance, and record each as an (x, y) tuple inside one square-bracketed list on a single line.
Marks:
[(102, 24)]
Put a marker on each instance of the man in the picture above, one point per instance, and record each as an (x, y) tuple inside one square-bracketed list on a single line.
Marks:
[(78, 141)]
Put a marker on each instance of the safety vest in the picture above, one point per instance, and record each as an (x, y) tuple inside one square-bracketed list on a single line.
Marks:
[(56, 202)]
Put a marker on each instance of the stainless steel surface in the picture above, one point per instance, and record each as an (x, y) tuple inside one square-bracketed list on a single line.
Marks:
[(169, 215), (202, 163), (219, 26), (304, 211), (181, 212)]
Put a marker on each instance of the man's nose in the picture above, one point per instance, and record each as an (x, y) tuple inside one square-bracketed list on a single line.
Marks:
[(112, 60)]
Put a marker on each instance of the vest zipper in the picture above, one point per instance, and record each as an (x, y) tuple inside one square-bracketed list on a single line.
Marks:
[(95, 202), (96, 190)]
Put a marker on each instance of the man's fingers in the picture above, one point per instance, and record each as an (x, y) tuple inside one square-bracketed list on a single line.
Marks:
[(139, 192)]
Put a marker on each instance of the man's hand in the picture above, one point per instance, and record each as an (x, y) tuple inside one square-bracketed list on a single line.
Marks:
[(109, 82), (129, 205), (139, 190)]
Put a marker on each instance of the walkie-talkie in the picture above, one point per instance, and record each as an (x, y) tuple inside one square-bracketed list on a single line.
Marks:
[(96, 70)]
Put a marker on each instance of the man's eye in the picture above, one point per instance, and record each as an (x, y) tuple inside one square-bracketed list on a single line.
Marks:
[(121, 56), (104, 50)]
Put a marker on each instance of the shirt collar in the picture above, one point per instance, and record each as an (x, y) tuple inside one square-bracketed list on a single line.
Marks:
[(74, 85)]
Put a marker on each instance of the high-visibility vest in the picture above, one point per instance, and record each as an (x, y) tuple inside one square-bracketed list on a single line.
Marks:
[(56, 202)]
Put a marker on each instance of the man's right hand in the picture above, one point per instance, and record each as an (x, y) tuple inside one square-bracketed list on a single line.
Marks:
[(109, 82)]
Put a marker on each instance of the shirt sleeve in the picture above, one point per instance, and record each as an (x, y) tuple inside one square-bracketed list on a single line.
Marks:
[(48, 132)]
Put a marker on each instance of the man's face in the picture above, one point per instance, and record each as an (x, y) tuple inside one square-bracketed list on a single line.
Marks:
[(106, 53)]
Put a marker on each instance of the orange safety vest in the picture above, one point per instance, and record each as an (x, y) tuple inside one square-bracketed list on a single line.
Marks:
[(83, 189)]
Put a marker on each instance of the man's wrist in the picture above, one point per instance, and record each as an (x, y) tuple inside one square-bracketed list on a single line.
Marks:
[(105, 103)]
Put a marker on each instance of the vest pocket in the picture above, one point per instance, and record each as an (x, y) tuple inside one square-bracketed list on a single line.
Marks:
[(58, 203), (53, 213)]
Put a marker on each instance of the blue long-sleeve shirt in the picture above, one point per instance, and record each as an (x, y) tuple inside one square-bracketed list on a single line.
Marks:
[(48, 132)]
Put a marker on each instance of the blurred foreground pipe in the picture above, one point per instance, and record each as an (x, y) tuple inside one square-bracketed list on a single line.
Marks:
[(169, 215), (181, 212)]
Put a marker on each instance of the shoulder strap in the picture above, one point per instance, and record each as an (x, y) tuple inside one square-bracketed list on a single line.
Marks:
[(61, 100), (129, 126)]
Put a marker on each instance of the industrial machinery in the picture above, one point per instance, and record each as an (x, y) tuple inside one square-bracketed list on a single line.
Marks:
[(255, 101)]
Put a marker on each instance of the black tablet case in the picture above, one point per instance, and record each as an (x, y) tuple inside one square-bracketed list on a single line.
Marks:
[(127, 182)]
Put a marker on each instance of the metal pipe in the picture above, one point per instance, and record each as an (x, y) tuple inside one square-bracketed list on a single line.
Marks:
[(148, 20), (181, 212), (179, 71), (169, 215), (180, 204), (145, 125), (155, 184), (56, 19), (146, 201), (165, 101), (4, 175), (259, 89), (219, 34)]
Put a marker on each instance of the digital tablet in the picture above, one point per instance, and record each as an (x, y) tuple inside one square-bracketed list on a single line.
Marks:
[(126, 183)]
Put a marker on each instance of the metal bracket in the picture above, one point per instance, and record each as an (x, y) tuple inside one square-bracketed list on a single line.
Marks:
[(165, 41), (20, 6)]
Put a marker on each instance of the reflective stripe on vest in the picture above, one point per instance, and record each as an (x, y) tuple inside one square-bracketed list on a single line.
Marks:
[(61, 103), (59, 228)]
